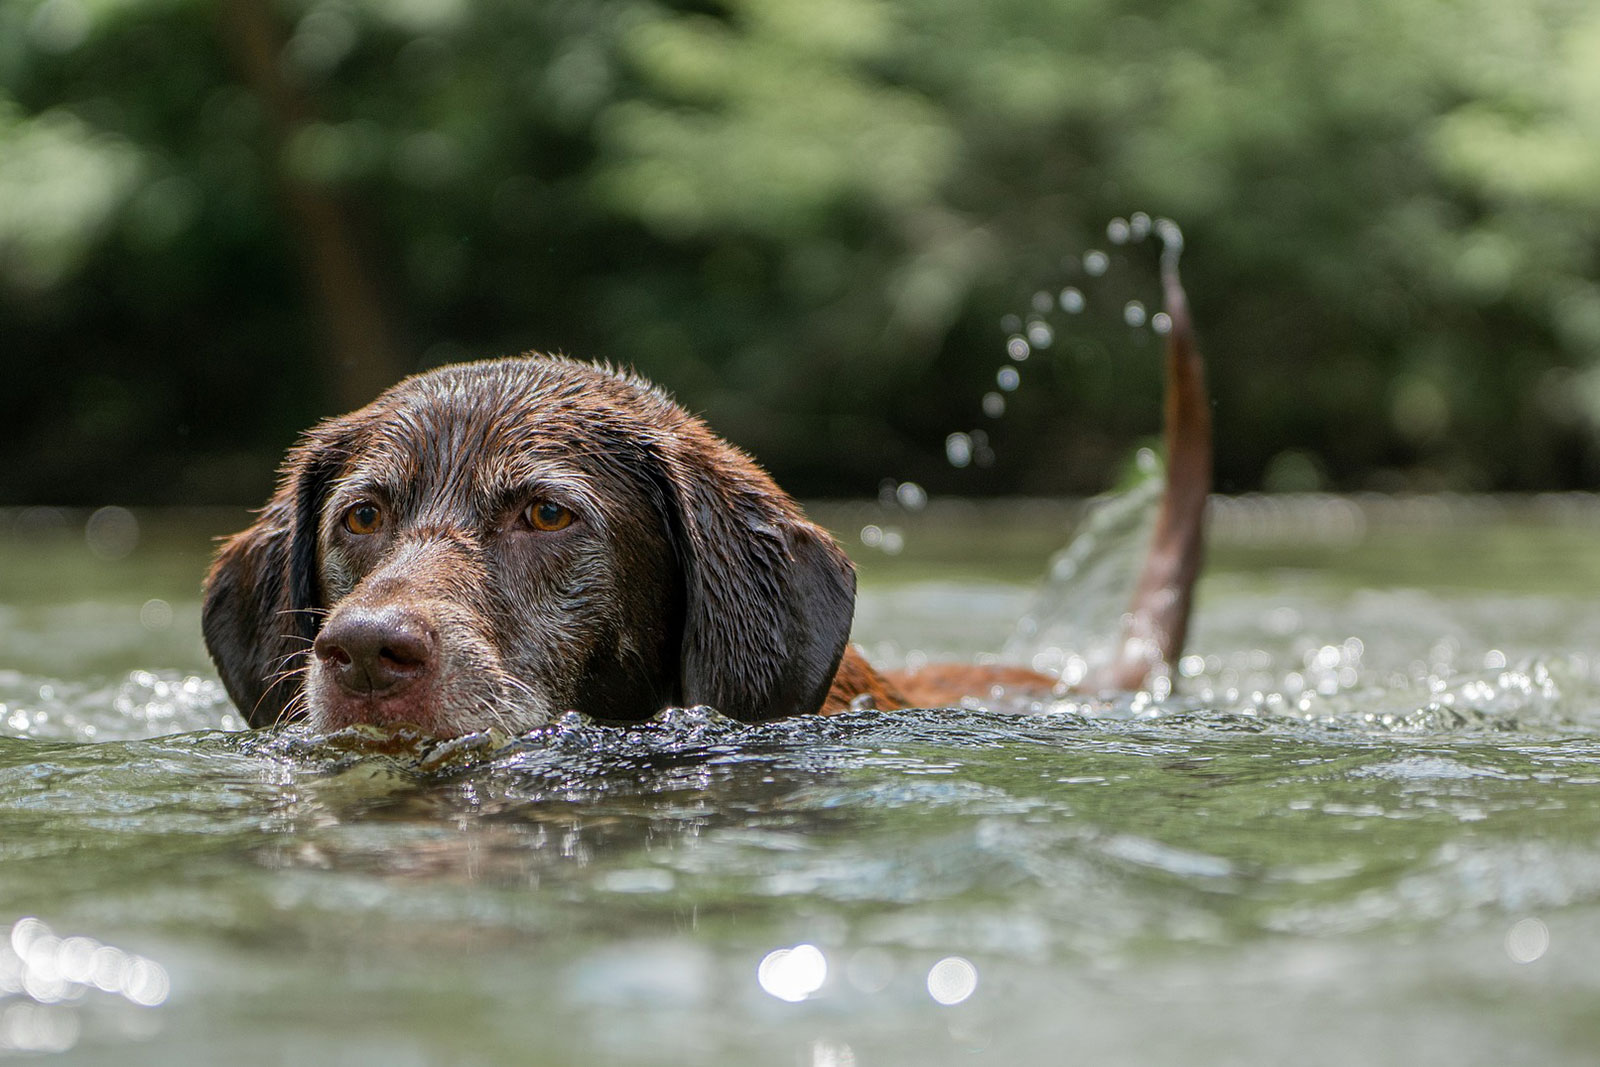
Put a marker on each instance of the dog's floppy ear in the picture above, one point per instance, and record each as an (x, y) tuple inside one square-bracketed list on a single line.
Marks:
[(768, 595), (262, 599)]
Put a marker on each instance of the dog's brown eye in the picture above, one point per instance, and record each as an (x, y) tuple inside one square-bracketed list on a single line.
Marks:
[(546, 516), (364, 518)]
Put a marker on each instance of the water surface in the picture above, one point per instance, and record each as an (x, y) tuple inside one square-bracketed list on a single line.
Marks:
[(1365, 827)]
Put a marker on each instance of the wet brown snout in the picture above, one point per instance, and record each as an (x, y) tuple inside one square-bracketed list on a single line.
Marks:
[(378, 652)]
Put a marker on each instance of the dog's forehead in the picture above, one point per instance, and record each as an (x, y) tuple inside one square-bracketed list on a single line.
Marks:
[(503, 424)]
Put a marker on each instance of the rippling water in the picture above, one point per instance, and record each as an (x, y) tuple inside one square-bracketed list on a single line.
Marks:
[(1366, 828)]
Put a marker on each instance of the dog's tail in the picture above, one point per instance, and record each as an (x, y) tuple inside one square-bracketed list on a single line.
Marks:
[(1157, 621)]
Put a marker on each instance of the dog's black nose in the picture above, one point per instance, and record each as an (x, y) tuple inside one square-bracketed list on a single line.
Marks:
[(376, 651)]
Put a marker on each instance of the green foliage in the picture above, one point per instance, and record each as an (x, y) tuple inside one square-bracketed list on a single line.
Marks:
[(809, 220)]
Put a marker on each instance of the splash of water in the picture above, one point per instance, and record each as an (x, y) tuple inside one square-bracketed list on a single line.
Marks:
[(1030, 335), (1072, 627), (143, 704)]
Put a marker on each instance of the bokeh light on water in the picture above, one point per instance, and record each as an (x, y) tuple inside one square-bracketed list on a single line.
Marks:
[(952, 980), (112, 532), (155, 614), (1527, 941), (144, 704), (793, 974), (48, 982)]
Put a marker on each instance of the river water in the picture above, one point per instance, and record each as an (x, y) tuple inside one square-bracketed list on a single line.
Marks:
[(1363, 828)]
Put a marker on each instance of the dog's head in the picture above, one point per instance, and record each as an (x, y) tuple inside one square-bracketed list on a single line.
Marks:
[(495, 543)]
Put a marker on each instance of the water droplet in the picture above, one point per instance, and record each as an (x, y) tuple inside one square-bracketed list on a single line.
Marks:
[(1117, 231), (872, 536), (994, 405), (1017, 348), (1071, 300), (1170, 235), (958, 449), (912, 496), (1008, 378), (1040, 335), (1161, 323), (1010, 323), (893, 542), (982, 454), (1139, 225), (1041, 301), (1095, 262), (1133, 313)]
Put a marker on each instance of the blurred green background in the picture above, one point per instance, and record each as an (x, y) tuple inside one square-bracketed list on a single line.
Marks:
[(220, 221)]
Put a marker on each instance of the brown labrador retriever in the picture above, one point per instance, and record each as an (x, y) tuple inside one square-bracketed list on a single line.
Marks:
[(495, 543)]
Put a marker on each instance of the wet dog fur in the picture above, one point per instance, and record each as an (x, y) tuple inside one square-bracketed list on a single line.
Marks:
[(492, 544)]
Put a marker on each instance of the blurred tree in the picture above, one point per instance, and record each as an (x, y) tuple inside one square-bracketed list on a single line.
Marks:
[(359, 337), (810, 220)]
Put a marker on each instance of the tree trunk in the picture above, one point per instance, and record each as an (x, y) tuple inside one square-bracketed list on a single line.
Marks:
[(364, 357)]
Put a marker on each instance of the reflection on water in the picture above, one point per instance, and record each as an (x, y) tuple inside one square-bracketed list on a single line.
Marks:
[(1527, 940), (143, 704), (952, 980), (793, 974), (1366, 824), (48, 984)]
